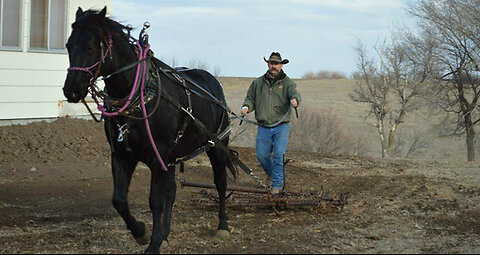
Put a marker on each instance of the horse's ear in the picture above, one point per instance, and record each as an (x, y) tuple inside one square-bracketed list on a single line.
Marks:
[(79, 13), (103, 12)]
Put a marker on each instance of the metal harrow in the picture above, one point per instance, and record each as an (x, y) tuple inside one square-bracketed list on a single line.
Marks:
[(243, 197)]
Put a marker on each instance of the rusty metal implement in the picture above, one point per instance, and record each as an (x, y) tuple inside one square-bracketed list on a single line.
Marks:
[(243, 197)]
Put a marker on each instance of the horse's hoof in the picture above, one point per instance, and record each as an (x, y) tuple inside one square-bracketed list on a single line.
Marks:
[(141, 229), (223, 234), (143, 240), (150, 250)]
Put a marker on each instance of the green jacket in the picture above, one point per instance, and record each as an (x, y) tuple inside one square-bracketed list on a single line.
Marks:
[(271, 101)]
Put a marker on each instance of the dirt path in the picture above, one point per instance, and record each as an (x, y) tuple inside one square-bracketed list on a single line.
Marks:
[(63, 206)]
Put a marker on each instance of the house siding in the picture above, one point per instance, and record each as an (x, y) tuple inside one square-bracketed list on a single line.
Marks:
[(31, 82)]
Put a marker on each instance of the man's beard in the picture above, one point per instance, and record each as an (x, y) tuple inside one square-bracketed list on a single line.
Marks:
[(274, 71)]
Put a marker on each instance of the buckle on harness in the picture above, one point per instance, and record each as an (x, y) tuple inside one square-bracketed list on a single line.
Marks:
[(179, 135), (189, 99), (122, 130)]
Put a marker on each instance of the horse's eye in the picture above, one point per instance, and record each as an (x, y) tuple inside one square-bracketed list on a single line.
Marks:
[(89, 49)]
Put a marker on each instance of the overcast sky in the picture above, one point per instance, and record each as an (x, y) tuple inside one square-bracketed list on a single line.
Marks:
[(235, 35)]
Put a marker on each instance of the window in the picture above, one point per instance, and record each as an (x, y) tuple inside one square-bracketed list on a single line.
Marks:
[(48, 25), (10, 23)]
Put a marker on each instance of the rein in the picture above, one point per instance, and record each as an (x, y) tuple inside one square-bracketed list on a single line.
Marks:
[(243, 118), (211, 98)]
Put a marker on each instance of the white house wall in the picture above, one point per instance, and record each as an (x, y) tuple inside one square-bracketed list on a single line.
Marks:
[(31, 82)]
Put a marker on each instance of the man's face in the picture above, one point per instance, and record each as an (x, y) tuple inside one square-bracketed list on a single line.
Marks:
[(274, 68)]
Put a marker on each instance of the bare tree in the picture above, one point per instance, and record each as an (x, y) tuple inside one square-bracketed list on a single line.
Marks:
[(372, 89), (391, 87), (454, 26)]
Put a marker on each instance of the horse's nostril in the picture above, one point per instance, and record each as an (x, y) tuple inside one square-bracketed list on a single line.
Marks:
[(74, 98)]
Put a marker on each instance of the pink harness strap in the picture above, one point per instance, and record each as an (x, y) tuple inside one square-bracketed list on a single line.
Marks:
[(141, 55), (144, 110)]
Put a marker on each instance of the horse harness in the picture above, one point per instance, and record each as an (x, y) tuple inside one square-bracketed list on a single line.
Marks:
[(152, 91), (216, 138), (131, 106)]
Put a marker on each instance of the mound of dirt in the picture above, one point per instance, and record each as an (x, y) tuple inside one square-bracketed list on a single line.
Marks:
[(60, 141), (64, 149)]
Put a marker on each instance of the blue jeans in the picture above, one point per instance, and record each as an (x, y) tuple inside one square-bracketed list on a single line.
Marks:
[(273, 140)]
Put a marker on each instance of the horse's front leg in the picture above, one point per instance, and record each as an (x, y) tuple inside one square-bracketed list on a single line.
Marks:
[(219, 164), (162, 195), (170, 193), (122, 169)]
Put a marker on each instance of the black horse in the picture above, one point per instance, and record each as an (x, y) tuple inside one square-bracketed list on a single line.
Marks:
[(98, 39)]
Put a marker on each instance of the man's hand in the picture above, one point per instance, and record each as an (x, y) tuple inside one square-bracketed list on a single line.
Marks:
[(294, 103), (244, 110)]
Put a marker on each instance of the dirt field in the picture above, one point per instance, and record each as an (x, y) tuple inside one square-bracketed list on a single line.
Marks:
[(56, 188)]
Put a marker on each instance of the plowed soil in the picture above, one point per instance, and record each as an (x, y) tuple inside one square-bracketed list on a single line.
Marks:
[(56, 188)]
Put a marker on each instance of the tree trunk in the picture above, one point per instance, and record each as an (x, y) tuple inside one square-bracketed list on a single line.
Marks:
[(470, 138), (383, 139), (391, 141)]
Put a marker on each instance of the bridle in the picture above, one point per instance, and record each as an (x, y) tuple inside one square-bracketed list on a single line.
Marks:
[(93, 89), (95, 76), (103, 56)]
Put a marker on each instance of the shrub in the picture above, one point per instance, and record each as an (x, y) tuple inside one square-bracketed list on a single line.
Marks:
[(323, 131)]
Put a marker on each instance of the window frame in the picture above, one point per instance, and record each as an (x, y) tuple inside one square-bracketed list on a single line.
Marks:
[(48, 49), (20, 28)]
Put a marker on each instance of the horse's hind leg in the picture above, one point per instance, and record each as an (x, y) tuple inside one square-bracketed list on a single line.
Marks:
[(122, 170), (219, 164)]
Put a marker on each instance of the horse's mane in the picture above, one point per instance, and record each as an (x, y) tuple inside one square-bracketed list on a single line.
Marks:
[(98, 24)]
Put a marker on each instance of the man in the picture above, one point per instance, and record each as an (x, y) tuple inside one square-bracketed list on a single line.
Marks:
[(271, 97)]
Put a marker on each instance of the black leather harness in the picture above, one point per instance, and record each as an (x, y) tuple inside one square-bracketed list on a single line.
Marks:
[(152, 91)]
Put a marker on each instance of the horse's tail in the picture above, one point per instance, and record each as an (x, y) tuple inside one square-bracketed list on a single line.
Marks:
[(231, 166)]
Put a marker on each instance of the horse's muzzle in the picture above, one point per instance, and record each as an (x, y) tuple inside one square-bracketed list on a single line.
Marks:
[(74, 96)]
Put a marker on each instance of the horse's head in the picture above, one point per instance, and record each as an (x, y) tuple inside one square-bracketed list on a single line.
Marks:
[(86, 47)]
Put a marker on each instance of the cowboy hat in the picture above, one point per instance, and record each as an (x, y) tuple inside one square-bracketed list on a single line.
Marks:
[(277, 58)]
